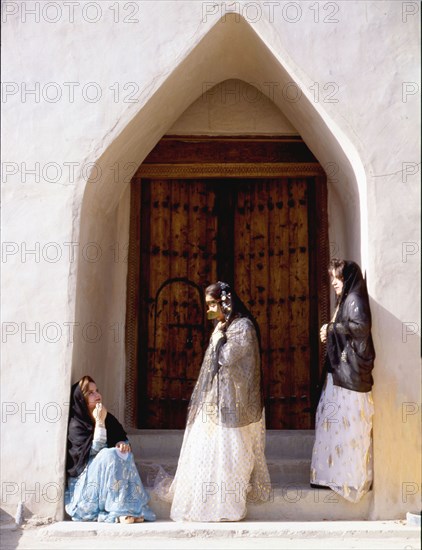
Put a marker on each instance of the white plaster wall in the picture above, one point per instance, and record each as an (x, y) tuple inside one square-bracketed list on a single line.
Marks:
[(101, 303), (368, 50)]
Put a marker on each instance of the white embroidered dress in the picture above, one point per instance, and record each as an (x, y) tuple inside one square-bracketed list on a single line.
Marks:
[(342, 455), (222, 468)]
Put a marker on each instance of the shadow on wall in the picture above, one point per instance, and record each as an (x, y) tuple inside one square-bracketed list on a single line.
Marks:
[(11, 532), (397, 418)]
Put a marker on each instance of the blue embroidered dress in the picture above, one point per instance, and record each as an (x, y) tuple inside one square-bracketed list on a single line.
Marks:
[(109, 484)]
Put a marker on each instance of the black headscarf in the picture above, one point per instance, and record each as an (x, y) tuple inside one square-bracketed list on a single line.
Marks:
[(353, 281), (81, 432), (350, 349)]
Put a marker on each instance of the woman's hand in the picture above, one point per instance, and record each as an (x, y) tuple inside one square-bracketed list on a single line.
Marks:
[(99, 414), (323, 333), (123, 446), (221, 326), (217, 334)]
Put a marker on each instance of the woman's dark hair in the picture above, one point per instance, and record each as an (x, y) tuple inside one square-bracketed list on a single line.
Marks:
[(230, 302), (351, 275), (222, 292), (337, 266), (84, 385)]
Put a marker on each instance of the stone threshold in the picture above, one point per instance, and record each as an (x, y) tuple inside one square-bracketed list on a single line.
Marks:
[(170, 529)]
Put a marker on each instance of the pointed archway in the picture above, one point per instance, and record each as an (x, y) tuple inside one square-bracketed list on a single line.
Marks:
[(231, 49)]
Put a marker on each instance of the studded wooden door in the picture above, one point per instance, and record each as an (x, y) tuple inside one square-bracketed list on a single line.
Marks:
[(260, 235), (178, 245), (271, 270)]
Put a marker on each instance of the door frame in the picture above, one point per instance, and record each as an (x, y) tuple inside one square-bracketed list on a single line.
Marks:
[(182, 157)]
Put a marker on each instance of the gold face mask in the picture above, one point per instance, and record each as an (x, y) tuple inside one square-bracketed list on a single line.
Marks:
[(213, 309), (212, 314)]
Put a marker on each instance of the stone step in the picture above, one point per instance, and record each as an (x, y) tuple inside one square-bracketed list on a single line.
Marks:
[(294, 502), (284, 470), (288, 454), (167, 443), (289, 470)]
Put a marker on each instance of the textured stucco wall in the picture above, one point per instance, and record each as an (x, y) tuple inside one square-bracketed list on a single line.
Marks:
[(131, 82)]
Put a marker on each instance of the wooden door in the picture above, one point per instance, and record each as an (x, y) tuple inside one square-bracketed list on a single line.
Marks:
[(178, 245), (271, 270), (257, 234)]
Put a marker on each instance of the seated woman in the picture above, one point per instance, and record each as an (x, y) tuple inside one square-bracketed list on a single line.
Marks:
[(103, 483)]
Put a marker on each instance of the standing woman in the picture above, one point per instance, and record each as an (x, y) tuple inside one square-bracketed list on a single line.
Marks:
[(342, 454), (103, 483), (222, 463)]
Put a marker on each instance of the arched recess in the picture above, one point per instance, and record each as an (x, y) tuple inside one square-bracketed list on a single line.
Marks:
[(231, 50)]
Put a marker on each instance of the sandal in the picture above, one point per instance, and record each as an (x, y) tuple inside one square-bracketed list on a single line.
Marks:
[(140, 519), (126, 519)]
